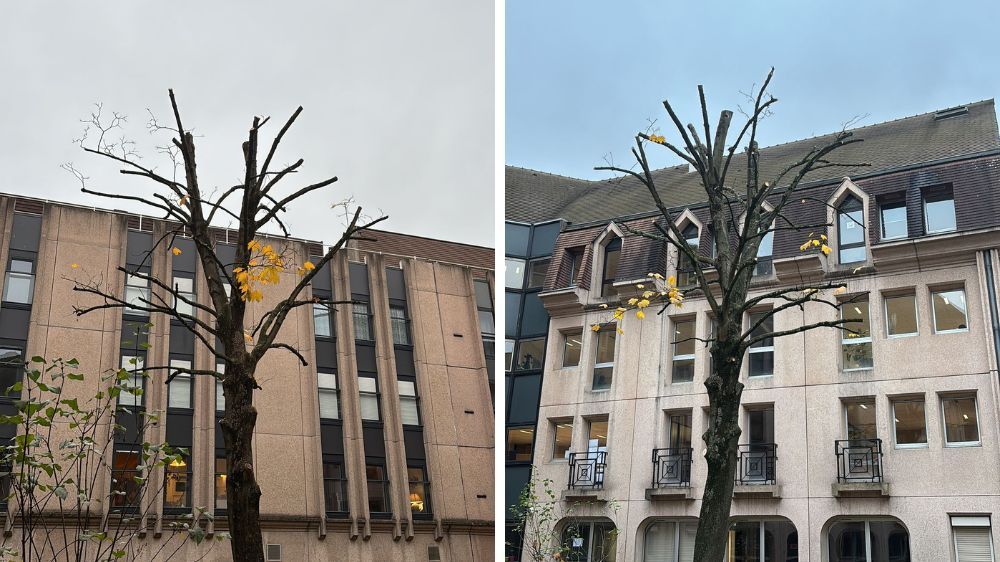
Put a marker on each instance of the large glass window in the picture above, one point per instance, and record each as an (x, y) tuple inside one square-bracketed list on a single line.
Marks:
[(893, 215), (685, 267), (513, 273), (679, 430), (334, 487), (961, 421), (177, 491), (939, 210), (529, 354), (401, 325), (520, 441), (612, 253), (764, 253), (575, 257), (851, 230), (861, 419), (909, 422), (572, 342), (762, 352), (136, 294), (420, 490), (184, 287), (329, 396), (11, 368), (180, 388), (598, 436), (19, 286), (125, 489), (484, 307), (368, 394), (562, 440), (950, 311), (682, 366), (868, 541), (378, 489), (669, 541), (220, 483), (536, 273), (322, 320), (856, 336), (362, 321), (590, 541), (408, 409), (901, 315), (604, 362), (135, 383), (758, 541)]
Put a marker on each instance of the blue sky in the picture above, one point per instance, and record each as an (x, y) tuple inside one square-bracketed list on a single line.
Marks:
[(583, 76)]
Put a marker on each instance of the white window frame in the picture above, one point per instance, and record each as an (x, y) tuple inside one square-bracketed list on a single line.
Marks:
[(761, 349), (895, 438), (143, 295), (180, 306), (606, 364), (182, 364), (885, 312), (334, 390), (944, 422), (674, 357), (372, 394), (965, 297), (135, 380), (410, 398), (966, 521), (844, 340), (923, 209), (881, 220)]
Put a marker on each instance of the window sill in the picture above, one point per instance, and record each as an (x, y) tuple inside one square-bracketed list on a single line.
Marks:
[(963, 445), (912, 446), (945, 332), (902, 336)]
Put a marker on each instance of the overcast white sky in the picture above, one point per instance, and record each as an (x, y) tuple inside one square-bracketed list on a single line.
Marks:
[(397, 96)]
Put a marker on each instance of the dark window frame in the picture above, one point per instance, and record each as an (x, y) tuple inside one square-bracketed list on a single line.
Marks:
[(851, 204), (607, 283)]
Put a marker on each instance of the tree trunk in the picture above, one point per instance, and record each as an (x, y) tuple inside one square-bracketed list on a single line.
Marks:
[(721, 441), (242, 490)]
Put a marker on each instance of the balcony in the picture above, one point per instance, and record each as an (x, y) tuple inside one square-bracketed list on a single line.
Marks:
[(859, 468), (586, 476), (755, 471), (671, 474)]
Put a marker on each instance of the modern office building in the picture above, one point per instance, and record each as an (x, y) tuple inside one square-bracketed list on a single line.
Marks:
[(381, 448), (875, 448)]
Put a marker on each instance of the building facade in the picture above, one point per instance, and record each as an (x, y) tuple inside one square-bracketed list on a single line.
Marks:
[(876, 446), (381, 448)]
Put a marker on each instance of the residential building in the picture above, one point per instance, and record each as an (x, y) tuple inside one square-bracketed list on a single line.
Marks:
[(380, 448), (877, 445)]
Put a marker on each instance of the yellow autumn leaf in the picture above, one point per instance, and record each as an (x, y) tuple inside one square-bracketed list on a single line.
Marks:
[(671, 280), (826, 250), (632, 301), (74, 265), (643, 303), (640, 314), (308, 266), (595, 327), (175, 251)]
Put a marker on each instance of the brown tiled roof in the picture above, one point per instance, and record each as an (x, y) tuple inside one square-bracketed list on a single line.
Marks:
[(533, 196), (428, 248)]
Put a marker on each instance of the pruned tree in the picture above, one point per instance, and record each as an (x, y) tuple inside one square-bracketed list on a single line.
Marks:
[(743, 211), (243, 339)]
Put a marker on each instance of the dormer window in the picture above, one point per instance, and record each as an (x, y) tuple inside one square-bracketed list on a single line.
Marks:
[(685, 267), (612, 254), (939, 210), (893, 215), (764, 252), (851, 230)]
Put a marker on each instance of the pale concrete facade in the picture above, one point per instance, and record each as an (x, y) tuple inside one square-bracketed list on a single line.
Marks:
[(450, 373)]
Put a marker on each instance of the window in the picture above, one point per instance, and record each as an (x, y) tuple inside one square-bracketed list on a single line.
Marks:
[(11, 369), (135, 383), (590, 541), (685, 267), (856, 340), (604, 363), (908, 422), (939, 210), (368, 394), (508, 354), (329, 397), (563, 440), (184, 287), (572, 342), (669, 541), (773, 541), (20, 282), (762, 352), (378, 493), (950, 311), (679, 430), (322, 321), (961, 421), (973, 538), (575, 257), (137, 294), (362, 322), (529, 354), (334, 487), (683, 347), (401, 325), (420, 490), (520, 441), (177, 492), (513, 273), (220, 483), (220, 395), (409, 412), (179, 389), (893, 215), (598, 436), (901, 316), (124, 487), (860, 420), (868, 541), (536, 273), (851, 230), (612, 253), (484, 307), (764, 252)]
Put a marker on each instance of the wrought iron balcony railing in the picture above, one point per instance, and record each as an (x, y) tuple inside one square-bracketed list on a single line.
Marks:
[(756, 464), (859, 460), (586, 470), (672, 467)]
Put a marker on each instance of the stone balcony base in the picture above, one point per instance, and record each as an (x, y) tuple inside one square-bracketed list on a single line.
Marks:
[(669, 493), (757, 491), (860, 490), (585, 495)]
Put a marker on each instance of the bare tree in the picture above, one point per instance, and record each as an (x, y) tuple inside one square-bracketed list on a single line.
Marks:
[(242, 340), (741, 217)]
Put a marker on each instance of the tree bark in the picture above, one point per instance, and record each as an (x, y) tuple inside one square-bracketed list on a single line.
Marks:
[(242, 490)]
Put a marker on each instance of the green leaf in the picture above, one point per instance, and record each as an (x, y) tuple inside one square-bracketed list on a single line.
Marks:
[(60, 492), (75, 377), (38, 359), (72, 403)]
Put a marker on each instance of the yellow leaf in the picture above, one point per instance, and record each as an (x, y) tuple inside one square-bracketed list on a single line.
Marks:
[(632, 301), (671, 280), (640, 286), (640, 314), (74, 265), (826, 250), (620, 331), (648, 294), (815, 243), (175, 251), (643, 303), (595, 327), (308, 266), (822, 237)]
